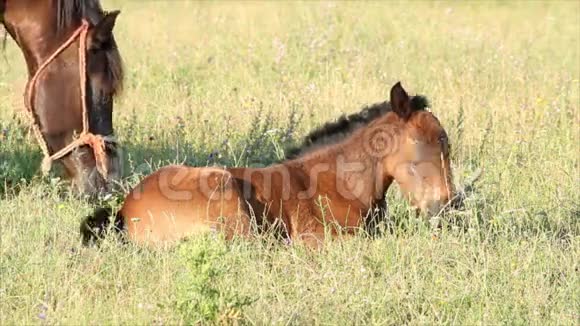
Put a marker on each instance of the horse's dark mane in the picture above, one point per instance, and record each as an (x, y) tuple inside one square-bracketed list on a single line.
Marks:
[(335, 131), (70, 12), (4, 31), (4, 38)]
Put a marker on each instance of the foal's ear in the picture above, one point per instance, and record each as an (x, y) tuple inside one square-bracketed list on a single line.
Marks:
[(102, 33), (400, 101)]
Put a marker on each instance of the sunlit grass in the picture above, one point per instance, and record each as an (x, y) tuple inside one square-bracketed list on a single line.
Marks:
[(234, 83)]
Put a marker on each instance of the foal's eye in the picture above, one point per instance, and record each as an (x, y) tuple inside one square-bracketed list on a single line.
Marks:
[(445, 146), (412, 168)]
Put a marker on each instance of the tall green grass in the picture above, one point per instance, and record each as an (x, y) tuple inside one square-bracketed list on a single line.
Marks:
[(234, 84)]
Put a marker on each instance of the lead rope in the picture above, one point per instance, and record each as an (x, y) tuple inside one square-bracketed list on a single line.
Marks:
[(96, 142)]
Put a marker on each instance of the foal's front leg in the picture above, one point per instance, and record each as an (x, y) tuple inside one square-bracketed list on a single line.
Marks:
[(317, 238), (314, 233), (306, 229)]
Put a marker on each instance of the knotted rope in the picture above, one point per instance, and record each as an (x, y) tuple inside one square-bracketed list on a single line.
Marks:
[(96, 142)]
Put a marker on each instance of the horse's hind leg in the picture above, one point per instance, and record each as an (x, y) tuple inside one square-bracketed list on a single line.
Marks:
[(234, 220), (221, 200)]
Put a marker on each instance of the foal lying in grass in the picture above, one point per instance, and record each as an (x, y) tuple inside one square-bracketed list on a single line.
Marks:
[(326, 189)]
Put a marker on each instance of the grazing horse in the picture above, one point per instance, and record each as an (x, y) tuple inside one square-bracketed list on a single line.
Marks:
[(74, 71), (326, 190)]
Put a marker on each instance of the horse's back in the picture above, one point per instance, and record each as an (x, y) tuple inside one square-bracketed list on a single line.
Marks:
[(178, 201)]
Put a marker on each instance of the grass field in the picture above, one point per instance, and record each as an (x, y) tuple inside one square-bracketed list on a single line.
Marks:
[(234, 84)]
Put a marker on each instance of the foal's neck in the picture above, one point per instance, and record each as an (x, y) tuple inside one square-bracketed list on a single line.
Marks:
[(358, 173)]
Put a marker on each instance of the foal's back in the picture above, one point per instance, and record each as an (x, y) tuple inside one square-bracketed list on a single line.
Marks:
[(179, 201)]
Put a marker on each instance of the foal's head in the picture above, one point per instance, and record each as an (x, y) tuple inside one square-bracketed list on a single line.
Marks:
[(418, 154)]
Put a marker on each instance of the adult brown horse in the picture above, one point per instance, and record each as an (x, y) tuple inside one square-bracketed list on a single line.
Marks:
[(326, 189), (74, 71)]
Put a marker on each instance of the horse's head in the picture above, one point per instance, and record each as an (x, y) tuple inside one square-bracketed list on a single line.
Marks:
[(419, 158), (70, 51), (104, 77)]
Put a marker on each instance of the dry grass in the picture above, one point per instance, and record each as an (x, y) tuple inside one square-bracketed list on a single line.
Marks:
[(214, 77)]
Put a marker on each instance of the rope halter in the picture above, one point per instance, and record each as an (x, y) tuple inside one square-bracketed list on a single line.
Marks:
[(96, 142)]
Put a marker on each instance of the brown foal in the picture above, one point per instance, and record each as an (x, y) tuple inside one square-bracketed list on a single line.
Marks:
[(327, 190)]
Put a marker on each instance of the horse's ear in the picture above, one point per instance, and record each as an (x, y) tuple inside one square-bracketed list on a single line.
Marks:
[(102, 33), (400, 101)]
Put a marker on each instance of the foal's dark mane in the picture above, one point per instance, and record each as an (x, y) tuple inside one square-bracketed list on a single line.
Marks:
[(70, 12), (335, 131)]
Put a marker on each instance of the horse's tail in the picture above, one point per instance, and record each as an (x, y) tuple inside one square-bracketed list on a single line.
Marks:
[(94, 226)]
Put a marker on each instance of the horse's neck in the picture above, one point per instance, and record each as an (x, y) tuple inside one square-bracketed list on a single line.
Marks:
[(2, 9), (34, 32)]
